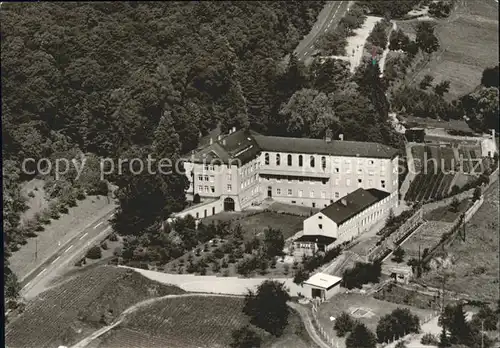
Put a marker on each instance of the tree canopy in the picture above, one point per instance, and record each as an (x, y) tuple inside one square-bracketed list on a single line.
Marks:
[(267, 307)]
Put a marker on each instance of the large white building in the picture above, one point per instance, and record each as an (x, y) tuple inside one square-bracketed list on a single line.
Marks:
[(345, 219), (243, 168)]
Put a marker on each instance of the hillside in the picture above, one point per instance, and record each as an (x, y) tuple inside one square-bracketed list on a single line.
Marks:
[(79, 305), (474, 263), (194, 321)]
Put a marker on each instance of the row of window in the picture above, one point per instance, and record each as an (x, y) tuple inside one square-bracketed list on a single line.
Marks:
[(300, 193), (337, 181), (249, 182), (249, 169), (289, 160), (312, 160), (291, 179), (210, 178), (206, 189)]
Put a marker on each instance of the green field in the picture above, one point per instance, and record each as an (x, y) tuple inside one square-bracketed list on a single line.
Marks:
[(469, 44)]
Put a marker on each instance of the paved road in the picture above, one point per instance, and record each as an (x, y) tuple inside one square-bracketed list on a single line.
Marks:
[(69, 252), (328, 19)]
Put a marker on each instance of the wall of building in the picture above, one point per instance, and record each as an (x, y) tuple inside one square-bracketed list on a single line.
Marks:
[(488, 147), (199, 210), (248, 183), (331, 178), (333, 291), (308, 289), (365, 220), (320, 224), (353, 227)]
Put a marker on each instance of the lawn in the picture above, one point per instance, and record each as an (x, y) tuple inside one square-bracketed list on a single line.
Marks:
[(469, 39), (68, 312), (446, 213), (255, 224), (475, 264), (192, 322), (372, 309)]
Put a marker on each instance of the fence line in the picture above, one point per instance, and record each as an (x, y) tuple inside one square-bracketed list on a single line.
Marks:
[(323, 333)]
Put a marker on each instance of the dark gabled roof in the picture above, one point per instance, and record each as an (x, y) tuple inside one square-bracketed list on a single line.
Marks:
[(244, 145), (316, 238), (319, 146), (356, 202), (238, 147)]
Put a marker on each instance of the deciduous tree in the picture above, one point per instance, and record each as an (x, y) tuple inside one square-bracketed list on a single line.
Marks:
[(361, 337), (267, 307)]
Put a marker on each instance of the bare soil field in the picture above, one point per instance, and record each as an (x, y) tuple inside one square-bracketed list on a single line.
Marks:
[(469, 38), (192, 322), (78, 306), (475, 264), (427, 236), (367, 310), (58, 232)]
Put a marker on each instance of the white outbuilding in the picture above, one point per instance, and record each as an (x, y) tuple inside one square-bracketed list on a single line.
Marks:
[(322, 285)]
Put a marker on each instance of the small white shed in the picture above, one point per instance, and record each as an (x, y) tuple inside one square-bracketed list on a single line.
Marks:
[(322, 285)]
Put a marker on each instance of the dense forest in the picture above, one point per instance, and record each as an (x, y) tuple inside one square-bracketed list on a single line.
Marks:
[(128, 79)]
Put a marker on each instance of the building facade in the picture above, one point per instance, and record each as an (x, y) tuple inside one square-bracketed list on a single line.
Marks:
[(352, 215), (243, 168)]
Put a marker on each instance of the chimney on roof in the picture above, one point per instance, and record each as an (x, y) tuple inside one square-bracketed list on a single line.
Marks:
[(211, 141), (328, 136), (233, 130), (223, 141), (341, 137), (344, 202), (219, 137)]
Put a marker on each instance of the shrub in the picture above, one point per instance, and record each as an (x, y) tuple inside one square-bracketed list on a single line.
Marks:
[(429, 340), (31, 194), (39, 228), (273, 263), (344, 324), (94, 253), (216, 267), (104, 245), (63, 209), (117, 251), (80, 194), (218, 254), (30, 234), (71, 200), (54, 213), (113, 237)]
